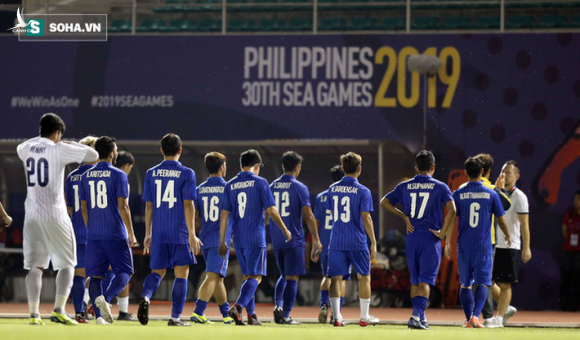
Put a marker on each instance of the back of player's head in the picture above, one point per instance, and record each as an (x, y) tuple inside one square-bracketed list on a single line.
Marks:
[(124, 158), (213, 162), (250, 158), (336, 173), (104, 146), (88, 141), (577, 193), (170, 144), (424, 160), (51, 123), (514, 164), (487, 161), (290, 160), (350, 162), (473, 166)]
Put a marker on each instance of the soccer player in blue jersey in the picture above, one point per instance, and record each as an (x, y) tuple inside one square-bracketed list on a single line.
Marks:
[(169, 192), (475, 204), (246, 196), (324, 219), (352, 204), (422, 199), (110, 235), (293, 203), (207, 205), (73, 203)]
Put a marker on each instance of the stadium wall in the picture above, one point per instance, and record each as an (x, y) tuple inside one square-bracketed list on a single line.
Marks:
[(515, 96)]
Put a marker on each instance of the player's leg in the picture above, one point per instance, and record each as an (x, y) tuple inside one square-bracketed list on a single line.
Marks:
[(183, 259), (279, 255), (96, 265), (294, 266), (482, 280), (413, 256), (466, 280), (78, 288), (253, 264), (35, 260), (61, 247), (428, 260), (221, 297), (324, 290), (338, 267), (160, 260), (505, 298), (120, 257), (362, 265), (123, 304), (213, 268), (108, 278)]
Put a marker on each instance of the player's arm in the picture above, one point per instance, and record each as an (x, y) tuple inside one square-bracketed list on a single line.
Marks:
[(504, 227), (313, 228), (525, 228), (370, 230), (197, 222), (148, 224), (7, 219), (386, 204), (275, 216), (223, 247), (85, 212), (125, 212), (189, 211)]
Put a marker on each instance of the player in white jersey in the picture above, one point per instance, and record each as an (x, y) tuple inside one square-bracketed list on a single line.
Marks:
[(48, 231)]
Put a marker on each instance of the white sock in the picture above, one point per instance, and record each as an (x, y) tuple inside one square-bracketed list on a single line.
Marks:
[(33, 287), (175, 319), (500, 319), (335, 304), (364, 308), (87, 297), (64, 281), (123, 303)]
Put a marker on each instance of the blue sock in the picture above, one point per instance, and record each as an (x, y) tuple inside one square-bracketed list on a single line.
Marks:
[(117, 285), (466, 302), (200, 307), (279, 291), (224, 309), (251, 306), (150, 285), (324, 298), (289, 297), (95, 290), (480, 297), (341, 302), (178, 295), (247, 292), (419, 306), (107, 279), (78, 293)]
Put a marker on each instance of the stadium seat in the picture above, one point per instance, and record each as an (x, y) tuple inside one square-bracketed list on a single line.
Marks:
[(120, 26), (332, 24), (173, 26), (452, 23), (425, 23), (519, 21), (271, 25), (362, 24), (574, 23), (150, 25), (393, 24), (211, 25), (552, 21), (487, 23), (241, 25), (300, 25)]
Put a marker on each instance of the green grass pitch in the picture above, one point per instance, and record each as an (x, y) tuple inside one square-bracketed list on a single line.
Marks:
[(19, 329)]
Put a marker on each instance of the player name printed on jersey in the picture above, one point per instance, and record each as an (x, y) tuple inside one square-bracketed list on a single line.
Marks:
[(211, 190), (345, 190), (282, 185), (99, 173), (242, 185), (420, 186), (474, 195), (166, 173)]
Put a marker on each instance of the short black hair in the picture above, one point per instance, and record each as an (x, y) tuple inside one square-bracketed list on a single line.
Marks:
[(577, 193), (51, 123), (487, 161), (350, 162), (424, 160), (290, 160), (213, 162), (250, 158), (473, 166), (170, 144), (336, 173), (515, 165), (104, 146), (124, 158)]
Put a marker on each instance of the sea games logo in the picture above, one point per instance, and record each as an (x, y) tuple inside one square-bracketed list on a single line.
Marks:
[(32, 27)]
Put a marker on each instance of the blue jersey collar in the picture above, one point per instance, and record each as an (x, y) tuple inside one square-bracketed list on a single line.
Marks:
[(170, 162), (104, 165), (349, 179)]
